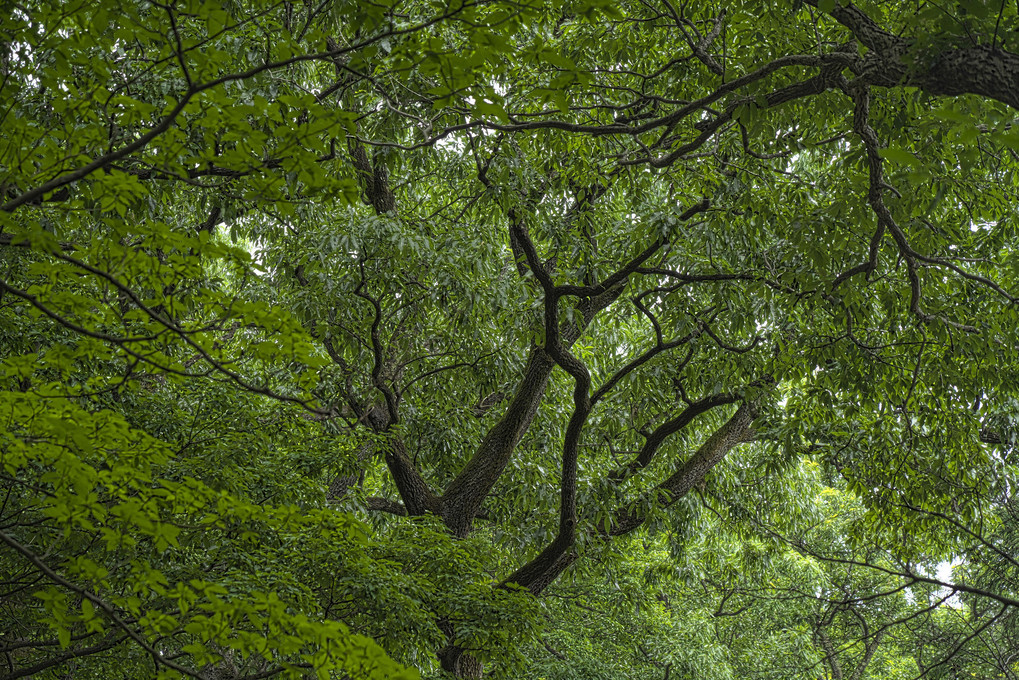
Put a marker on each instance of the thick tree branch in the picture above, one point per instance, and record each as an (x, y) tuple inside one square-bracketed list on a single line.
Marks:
[(544, 569), (734, 432), (830, 656), (894, 61), (655, 440), (464, 496), (380, 504)]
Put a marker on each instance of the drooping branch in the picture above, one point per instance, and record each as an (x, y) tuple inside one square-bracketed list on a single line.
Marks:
[(109, 610), (167, 121), (125, 343), (71, 654), (11, 240), (902, 572), (886, 222)]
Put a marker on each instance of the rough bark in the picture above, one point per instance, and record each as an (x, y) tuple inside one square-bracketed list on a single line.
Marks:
[(417, 497), (462, 499), (893, 61), (454, 659), (830, 656), (464, 495), (735, 431), (655, 440), (374, 178)]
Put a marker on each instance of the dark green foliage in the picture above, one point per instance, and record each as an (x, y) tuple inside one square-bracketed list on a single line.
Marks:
[(562, 339)]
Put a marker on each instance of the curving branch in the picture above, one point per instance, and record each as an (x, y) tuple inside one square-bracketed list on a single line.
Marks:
[(65, 656), (462, 499), (877, 185), (544, 569)]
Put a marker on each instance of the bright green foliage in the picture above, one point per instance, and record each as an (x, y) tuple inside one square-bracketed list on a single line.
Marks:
[(734, 600), (152, 554)]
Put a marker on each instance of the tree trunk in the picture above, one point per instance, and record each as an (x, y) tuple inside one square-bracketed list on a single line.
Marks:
[(455, 660)]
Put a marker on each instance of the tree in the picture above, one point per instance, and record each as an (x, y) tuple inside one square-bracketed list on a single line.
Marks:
[(535, 270)]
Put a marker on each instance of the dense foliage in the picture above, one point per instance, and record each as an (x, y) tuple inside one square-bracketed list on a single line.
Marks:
[(568, 339)]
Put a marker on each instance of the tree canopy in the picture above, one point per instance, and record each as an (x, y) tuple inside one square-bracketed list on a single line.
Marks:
[(553, 339)]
